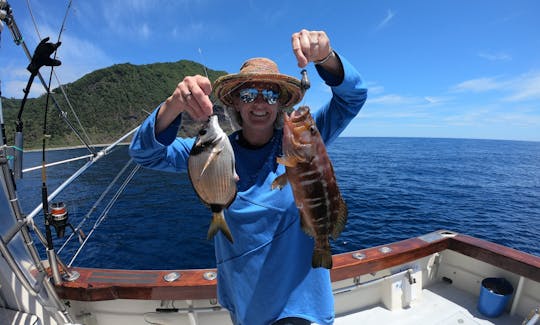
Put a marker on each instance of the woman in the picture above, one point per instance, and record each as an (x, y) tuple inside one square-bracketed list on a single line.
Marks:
[(265, 276)]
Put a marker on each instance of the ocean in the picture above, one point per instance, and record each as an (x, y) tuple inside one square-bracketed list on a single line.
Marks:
[(395, 188)]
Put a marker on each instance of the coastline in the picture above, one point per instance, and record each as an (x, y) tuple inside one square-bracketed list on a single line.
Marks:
[(99, 145)]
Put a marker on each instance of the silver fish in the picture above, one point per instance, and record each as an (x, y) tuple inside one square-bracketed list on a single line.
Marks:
[(211, 170)]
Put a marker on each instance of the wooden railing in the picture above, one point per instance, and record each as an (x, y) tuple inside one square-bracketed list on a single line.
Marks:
[(106, 284)]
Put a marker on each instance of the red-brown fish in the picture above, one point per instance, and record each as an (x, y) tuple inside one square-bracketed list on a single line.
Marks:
[(309, 170)]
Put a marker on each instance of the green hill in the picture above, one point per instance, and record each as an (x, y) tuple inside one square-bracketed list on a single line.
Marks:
[(108, 102)]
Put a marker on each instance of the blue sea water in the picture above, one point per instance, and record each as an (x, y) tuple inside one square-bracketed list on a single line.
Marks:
[(395, 188)]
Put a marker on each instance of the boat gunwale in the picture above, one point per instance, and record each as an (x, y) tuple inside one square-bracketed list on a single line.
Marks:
[(108, 284)]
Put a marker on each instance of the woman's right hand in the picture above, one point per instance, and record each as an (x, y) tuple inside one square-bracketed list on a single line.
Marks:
[(190, 96)]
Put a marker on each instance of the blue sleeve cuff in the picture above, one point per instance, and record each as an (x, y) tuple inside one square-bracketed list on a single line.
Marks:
[(330, 79), (167, 136)]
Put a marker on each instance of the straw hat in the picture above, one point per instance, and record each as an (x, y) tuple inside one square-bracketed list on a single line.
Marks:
[(259, 70)]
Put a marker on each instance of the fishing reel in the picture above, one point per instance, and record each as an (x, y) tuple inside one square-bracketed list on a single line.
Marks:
[(59, 218)]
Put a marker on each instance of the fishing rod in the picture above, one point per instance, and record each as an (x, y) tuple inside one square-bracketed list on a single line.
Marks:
[(3, 140), (60, 86), (58, 220), (6, 16), (55, 214), (40, 58)]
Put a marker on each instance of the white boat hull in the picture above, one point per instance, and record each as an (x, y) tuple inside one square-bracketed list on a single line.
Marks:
[(435, 283)]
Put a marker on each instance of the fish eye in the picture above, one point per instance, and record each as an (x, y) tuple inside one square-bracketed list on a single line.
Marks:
[(313, 129), (202, 132)]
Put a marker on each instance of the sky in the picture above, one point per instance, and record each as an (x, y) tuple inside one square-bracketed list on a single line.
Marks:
[(450, 69)]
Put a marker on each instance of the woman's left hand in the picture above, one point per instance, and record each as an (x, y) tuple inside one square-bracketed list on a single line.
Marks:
[(310, 46)]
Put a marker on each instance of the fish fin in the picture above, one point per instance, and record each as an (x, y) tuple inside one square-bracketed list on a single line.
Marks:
[(219, 223), (213, 154), (321, 258), (287, 161), (280, 182), (341, 219), (234, 173)]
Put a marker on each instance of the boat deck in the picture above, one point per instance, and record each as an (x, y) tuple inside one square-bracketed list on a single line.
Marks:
[(441, 303), (438, 277)]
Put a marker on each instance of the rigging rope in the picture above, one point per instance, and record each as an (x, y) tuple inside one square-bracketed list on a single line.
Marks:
[(107, 209), (94, 207), (49, 220), (33, 19), (102, 153), (82, 128)]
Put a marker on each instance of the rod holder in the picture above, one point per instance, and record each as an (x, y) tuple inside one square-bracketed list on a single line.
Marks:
[(18, 156)]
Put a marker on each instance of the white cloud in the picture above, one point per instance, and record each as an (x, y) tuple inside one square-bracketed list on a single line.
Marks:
[(391, 99), (521, 88), (194, 31), (374, 88), (389, 114), (518, 119), (145, 31), (497, 56), (78, 56), (479, 85), (129, 18), (525, 87), (14, 88), (17, 72), (493, 116), (469, 117), (389, 16), (436, 100)]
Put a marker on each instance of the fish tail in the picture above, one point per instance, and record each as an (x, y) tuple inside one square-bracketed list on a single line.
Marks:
[(219, 223), (321, 258)]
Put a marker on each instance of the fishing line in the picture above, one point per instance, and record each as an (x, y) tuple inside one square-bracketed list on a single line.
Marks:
[(49, 84), (107, 208), (104, 152), (203, 64), (83, 129), (94, 207), (33, 19), (305, 84), (49, 219)]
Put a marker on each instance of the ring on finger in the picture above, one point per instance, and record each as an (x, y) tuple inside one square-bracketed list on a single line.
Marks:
[(186, 96)]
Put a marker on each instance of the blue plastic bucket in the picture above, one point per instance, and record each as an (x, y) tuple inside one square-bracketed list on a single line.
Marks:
[(494, 295)]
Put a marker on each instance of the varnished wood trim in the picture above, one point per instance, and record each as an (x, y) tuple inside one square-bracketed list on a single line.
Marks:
[(346, 266), (106, 284), (103, 284), (504, 257)]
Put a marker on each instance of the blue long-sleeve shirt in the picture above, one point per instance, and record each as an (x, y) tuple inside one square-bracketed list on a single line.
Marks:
[(266, 274)]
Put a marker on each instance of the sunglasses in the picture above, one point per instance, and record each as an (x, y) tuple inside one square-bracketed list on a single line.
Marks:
[(248, 95)]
